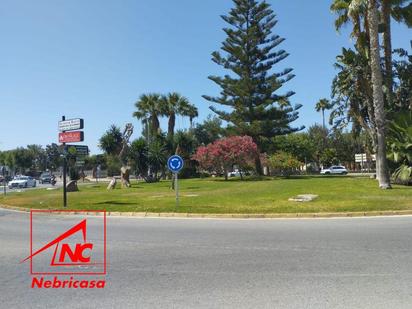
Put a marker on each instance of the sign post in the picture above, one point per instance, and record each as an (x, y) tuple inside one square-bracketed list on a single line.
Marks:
[(360, 158), (69, 137), (175, 164), (177, 191), (64, 171)]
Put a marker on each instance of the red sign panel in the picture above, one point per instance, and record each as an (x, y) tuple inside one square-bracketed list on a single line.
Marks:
[(71, 137)]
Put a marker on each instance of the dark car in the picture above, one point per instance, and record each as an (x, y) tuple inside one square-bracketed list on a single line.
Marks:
[(45, 178)]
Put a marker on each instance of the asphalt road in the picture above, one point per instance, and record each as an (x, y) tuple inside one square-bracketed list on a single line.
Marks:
[(204, 263)]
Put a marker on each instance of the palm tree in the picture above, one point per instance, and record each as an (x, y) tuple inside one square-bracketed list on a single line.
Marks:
[(345, 15), (148, 161), (321, 106), (368, 41), (355, 11), (156, 158), (171, 106), (378, 99), (400, 146), (352, 94), (111, 141), (148, 111), (401, 11), (175, 104), (191, 112), (351, 11)]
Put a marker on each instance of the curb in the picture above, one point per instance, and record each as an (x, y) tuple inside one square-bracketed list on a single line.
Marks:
[(232, 216)]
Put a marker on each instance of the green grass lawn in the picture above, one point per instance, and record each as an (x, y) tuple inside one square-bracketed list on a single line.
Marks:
[(336, 194)]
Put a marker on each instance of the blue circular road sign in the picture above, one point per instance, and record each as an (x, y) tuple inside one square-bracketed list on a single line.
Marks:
[(175, 163)]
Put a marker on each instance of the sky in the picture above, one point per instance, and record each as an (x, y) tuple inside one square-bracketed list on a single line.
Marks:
[(93, 59)]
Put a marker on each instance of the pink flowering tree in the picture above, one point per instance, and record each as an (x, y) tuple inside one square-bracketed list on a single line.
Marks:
[(224, 153), (204, 158)]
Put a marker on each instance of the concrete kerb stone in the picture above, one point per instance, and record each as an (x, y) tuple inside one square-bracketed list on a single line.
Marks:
[(229, 216)]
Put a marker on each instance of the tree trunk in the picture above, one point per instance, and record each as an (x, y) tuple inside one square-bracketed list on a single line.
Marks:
[(191, 122), (378, 101), (258, 164), (323, 117), (155, 125), (387, 44), (171, 125), (147, 132)]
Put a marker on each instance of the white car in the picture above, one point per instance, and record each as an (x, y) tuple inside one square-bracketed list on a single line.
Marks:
[(334, 170), (22, 182), (233, 174)]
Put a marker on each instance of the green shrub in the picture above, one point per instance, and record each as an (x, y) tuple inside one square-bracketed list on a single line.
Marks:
[(284, 164)]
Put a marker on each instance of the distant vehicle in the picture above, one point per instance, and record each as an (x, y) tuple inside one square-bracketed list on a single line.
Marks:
[(334, 170), (45, 178), (233, 174), (237, 173), (22, 182)]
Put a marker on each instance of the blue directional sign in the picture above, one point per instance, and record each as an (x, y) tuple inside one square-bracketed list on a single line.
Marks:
[(175, 163)]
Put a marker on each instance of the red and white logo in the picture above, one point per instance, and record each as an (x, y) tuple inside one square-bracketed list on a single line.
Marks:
[(71, 137), (76, 246)]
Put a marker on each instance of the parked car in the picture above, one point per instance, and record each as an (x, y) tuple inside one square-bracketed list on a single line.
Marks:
[(45, 177), (335, 170), (233, 174), (22, 182), (236, 173)]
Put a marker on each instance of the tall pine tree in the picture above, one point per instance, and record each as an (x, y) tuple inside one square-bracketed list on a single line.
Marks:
[(249, 92)]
